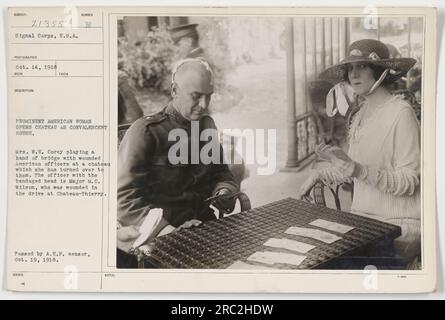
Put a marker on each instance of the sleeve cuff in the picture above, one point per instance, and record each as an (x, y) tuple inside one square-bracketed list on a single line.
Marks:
[(360, 172), (226, 185)]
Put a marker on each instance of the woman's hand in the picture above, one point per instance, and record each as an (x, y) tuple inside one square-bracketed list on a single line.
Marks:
[(339, 159), (330, 153), (314, 176), (350, 168)]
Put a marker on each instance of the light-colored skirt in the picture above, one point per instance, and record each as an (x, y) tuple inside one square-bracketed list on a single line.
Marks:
[(408, 245)]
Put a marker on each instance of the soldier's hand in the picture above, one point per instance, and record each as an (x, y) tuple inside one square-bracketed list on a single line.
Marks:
[(189, 224), (224, 204), (145, 249), (126, 236)]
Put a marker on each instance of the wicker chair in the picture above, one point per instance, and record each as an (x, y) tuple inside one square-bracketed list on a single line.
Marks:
[(316, 194)]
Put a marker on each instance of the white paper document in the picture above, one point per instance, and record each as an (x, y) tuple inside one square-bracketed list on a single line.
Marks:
[(148, 226), (333, 226), (289, 244), (316, 234)]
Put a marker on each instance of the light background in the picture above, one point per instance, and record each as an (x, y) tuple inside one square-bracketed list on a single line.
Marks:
[(440, 149)]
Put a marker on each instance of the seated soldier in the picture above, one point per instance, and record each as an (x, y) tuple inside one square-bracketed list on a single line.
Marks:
[(148, 180)]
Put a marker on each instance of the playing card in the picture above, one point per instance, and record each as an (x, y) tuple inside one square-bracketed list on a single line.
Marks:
[(313, 233), (289, 244), (332, 226)]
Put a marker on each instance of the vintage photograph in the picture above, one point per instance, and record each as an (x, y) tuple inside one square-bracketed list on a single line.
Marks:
[(269, 142)]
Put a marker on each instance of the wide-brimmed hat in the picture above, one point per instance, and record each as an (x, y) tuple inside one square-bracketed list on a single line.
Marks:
[(371, 51)]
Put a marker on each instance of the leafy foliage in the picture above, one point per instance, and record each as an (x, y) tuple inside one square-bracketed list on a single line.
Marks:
[(149, 61)]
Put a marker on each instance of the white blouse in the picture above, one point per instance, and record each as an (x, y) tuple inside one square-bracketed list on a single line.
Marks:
[(387, 145)]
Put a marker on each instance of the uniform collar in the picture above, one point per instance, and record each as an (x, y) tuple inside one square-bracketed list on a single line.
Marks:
[(176, 116)]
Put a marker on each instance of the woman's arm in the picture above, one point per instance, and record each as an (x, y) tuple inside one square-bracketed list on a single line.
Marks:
[(330, 176), (333, 176)]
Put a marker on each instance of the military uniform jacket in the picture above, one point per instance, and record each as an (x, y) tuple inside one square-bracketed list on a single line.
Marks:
[(147, 179)]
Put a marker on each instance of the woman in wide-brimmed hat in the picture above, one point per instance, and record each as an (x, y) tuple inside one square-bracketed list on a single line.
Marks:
[(384, 142)]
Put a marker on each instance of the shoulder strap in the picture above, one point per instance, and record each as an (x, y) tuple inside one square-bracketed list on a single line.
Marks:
[(155, 118)]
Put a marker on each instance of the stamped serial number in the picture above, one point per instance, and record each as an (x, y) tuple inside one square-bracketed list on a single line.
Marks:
[(243, 309)]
